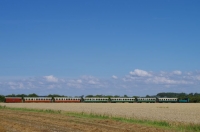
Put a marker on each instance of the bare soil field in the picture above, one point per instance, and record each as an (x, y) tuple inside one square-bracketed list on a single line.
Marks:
[(23, 121), (171, 112)]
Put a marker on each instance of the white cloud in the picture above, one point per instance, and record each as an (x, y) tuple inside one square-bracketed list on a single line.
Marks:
[(73, 83), (161, 80), (51, 78), (137, 81), (177, 72), (16, 85), (92, 82), (114, 77), (198, 77), (79, 81), (164, 80), (140, 73)]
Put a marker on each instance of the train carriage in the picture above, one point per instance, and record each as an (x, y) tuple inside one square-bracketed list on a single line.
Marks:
[(96, 100), (186, 100), (13, 99), (37, 99), (66, 100), (146, 100), (122, 100), (167, 100)]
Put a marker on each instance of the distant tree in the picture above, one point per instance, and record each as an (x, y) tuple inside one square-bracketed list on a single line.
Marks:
[(196, 94), (89, 96), (21, 95), (11, 95), (2, 98), (190, 94), (55, 95), (108, 96), (147, 96), (125, 96), (98, 95), (33, 95)]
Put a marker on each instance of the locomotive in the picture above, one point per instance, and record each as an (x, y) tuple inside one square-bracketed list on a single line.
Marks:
[(93, 100)]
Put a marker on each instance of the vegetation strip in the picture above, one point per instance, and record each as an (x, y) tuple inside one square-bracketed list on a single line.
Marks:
[(161, 124)]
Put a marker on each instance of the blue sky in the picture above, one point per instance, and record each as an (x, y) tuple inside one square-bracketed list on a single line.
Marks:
[(76, 47)]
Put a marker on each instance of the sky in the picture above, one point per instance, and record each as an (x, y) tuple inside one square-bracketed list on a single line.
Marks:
[(108, 47)]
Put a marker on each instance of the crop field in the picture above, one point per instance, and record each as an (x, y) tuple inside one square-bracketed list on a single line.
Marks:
[(186, 113)]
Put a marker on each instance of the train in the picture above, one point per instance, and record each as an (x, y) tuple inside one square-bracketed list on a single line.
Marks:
[(93, 100)]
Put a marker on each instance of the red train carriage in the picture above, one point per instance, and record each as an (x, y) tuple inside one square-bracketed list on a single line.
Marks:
[(13, 99), (66, 100), (37, 99)]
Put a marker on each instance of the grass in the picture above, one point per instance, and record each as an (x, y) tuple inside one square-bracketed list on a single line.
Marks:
[(161, 124)]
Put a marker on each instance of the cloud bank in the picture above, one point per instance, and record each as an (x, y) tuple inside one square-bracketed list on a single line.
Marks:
[(137, 82)]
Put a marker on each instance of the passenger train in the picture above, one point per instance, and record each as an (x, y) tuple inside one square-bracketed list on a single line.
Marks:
[(92, 100)]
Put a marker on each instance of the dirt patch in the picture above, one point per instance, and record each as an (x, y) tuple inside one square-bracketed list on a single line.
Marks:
[(18, 121)]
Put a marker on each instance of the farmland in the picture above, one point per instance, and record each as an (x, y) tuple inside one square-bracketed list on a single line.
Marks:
[(174, 114)]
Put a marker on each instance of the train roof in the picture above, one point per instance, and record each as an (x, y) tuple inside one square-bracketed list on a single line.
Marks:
[(14, 97), (122, 98), (167, 98), (95, 98), (146, 98), (68, 97), (39, 97)]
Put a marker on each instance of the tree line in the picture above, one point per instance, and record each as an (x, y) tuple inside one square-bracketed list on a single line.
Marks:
[(194, 97)]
